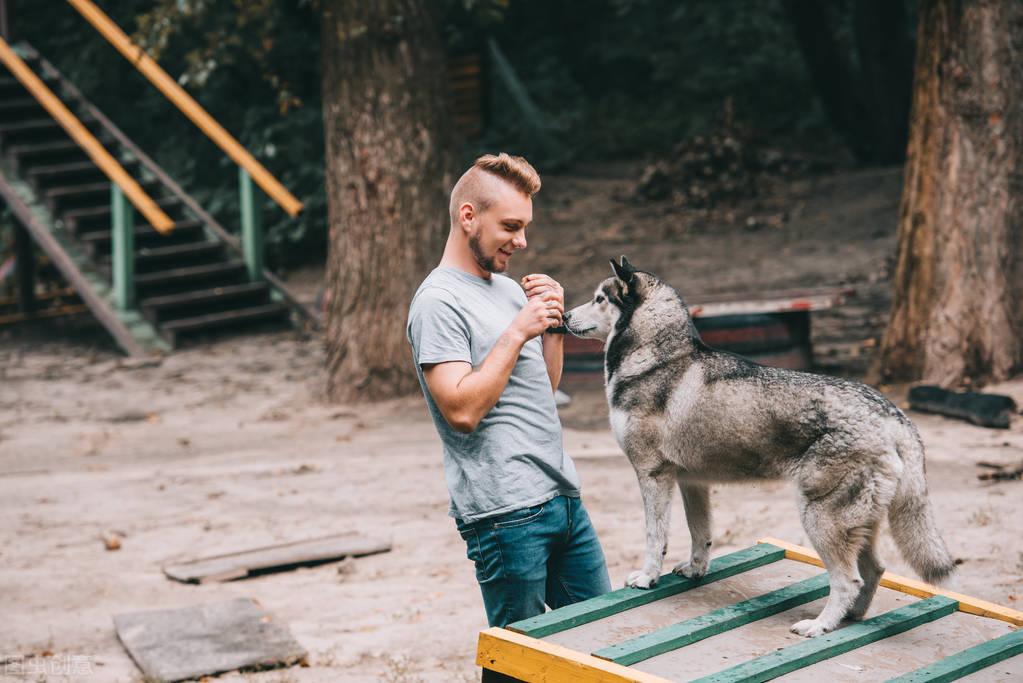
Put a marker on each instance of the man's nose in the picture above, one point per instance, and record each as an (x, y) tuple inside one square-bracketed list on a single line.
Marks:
[(520, 241)]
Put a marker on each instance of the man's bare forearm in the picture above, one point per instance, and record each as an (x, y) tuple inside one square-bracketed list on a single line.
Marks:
[(480, 389), (554, 357)]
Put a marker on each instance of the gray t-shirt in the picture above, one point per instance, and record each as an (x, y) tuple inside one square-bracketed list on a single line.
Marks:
[(514, 458)]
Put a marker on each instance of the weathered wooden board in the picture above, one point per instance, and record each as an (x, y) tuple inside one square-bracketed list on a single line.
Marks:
[(203, 640), (970, 660), (628, 598), (720, 620), (826, 646), (274, 558)]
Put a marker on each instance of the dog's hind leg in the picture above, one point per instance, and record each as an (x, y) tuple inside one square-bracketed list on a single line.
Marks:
[(839, 549), (871, 571), (655, 485), (696, 501)]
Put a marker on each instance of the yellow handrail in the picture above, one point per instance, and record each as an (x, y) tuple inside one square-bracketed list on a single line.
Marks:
[(188, 106), (89, 144)]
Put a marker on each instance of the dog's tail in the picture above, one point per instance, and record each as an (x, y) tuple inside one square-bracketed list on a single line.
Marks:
[(912, 519)]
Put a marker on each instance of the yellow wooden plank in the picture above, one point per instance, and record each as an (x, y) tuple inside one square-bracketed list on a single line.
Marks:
[(916, 587), (188, 106), (81, 135), (530, 659)]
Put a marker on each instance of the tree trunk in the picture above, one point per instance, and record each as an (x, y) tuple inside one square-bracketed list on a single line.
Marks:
[(388, 139), (956, 311)]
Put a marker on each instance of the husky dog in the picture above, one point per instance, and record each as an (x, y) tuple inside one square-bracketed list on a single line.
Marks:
[(690, 415)]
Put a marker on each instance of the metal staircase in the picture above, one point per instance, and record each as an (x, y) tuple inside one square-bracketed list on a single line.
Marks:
[(181, 282)]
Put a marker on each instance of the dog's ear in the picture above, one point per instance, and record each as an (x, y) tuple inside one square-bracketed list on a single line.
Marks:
[(624, 271)]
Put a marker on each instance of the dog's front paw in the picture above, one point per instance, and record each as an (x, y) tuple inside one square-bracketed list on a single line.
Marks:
[(690, 570), (809, 628), (640, 579)]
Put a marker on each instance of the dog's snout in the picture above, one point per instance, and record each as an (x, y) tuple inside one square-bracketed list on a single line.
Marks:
[(564, 318)]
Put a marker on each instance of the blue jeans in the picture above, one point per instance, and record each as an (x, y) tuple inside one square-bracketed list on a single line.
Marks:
[(546, 553)]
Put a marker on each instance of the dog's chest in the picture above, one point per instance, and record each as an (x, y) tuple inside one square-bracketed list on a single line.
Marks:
[(678, 408), (620, 425)]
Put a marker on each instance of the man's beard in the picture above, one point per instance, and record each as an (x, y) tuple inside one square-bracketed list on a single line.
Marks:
[(485, 262)]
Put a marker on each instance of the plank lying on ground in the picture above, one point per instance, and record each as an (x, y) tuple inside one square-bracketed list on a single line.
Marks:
[(720, 620), (1000, 472), (968, 661), (274, 558), (985, 410), (203, 640), (623, 599), (835, 643)]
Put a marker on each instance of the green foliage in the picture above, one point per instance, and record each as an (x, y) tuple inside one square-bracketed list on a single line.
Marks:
[(627, 77)]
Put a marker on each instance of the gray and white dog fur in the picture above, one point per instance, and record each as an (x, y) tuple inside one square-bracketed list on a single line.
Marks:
[(689, 415)]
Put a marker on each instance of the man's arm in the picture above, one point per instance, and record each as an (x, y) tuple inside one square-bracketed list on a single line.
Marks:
[(554, 357), (465, 394), (544, 286)]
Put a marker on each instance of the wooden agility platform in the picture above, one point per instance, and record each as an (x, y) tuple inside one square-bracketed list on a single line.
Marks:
[(733, 625)]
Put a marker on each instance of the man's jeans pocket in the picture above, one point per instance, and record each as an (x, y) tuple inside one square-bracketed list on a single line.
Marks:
[(481, 548), (489, 541), (518, 517)]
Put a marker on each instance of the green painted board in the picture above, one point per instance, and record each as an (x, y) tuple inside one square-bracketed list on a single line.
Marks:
[(623, 599), (835, 643), (968, 661), (720, 620)]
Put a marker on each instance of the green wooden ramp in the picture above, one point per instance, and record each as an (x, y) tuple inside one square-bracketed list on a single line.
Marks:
[(732, 626)]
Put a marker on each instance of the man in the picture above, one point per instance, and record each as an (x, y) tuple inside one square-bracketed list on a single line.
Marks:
[(489, 370)]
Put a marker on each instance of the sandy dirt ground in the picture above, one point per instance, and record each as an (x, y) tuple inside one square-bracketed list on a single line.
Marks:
[(230, 446)]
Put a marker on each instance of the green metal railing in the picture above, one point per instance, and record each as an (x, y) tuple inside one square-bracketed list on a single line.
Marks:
[(250, 171)]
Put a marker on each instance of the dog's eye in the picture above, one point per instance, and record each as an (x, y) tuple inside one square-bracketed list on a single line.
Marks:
[(599, 299)]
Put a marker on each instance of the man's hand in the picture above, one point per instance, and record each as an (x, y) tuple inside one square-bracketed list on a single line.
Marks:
[(540, 313), (538, 283), (547, 288)]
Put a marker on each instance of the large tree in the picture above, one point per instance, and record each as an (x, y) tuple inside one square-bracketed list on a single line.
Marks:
[(957, 314), (388, 159)]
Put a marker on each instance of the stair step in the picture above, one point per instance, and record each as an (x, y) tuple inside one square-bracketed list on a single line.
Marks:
[(30, 155), (215, 299), (44, 128), (16, 108), (221, 319), (65, 197), (8, 83), (98, 217), (98, 241), (32, 130), (190, 277), (149, 259), (68, 172), (173, 250), (72, 190)]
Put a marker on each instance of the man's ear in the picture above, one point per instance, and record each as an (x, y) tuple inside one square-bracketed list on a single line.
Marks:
[(466, 214)]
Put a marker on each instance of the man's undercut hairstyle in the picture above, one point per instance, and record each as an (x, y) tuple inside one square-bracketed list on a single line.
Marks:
[(473, 186)]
